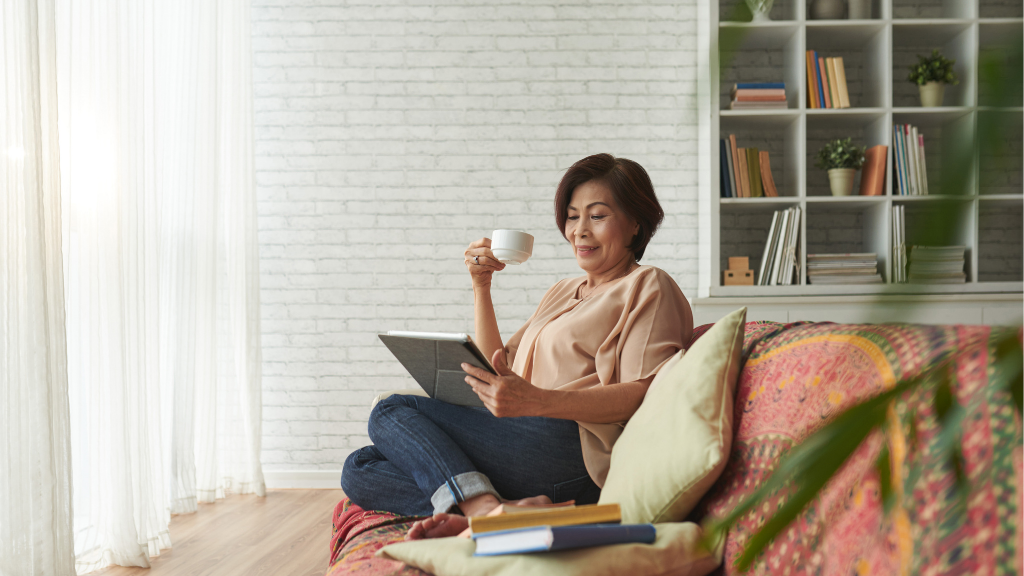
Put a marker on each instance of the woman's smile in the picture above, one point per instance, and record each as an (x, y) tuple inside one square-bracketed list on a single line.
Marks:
[(585, 251)]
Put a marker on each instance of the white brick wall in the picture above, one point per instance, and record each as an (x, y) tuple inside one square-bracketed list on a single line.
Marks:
[(391, 133)]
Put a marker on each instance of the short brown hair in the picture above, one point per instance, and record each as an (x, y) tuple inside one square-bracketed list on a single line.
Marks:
[(630, 185)]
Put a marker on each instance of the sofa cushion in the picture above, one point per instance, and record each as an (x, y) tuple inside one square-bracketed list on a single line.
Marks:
[(677, 442), (676, 550)]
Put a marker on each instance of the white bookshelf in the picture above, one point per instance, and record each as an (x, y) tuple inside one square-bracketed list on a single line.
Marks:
[(877, 53)]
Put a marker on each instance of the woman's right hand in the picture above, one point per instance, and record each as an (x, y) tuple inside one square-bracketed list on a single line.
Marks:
[(481, 262)]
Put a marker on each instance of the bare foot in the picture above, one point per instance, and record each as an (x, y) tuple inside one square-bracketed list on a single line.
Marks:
[(438, 526)]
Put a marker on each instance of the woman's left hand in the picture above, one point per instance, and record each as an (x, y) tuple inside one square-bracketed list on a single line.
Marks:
[(506, 395)]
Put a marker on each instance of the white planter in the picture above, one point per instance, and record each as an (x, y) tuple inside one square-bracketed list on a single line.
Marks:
[(841, 180), (858, 9), (932, 93), (827, 9)]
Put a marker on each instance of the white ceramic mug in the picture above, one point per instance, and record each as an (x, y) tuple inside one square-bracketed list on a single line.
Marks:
[(511, 246)]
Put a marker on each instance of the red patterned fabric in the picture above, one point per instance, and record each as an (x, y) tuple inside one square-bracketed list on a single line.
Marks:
[(797, 377)]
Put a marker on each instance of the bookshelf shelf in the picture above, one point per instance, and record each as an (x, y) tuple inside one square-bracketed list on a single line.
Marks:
[(877, 53)]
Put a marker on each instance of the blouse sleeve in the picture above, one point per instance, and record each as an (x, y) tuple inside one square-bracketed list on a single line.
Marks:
[(659, 324)]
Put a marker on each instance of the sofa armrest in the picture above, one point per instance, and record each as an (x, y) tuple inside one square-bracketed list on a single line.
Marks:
[(406, 392)]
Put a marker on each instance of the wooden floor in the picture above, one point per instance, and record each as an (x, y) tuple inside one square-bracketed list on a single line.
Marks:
[(288, 533)]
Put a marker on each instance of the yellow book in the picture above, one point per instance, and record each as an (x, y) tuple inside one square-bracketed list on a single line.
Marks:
[(844, 94), (559, 516), (833, 83)]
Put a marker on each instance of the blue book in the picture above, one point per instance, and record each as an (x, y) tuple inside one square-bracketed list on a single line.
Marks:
[(821, 86), (551, 538), (723, 169), (759, 86)]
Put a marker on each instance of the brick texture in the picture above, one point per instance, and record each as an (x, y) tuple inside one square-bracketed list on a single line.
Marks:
[(390, 134)]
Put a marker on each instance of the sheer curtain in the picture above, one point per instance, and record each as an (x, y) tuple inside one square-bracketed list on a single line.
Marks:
[(155, 108), (35, 458)]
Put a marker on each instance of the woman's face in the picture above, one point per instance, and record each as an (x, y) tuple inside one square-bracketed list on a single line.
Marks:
[(598, 230)]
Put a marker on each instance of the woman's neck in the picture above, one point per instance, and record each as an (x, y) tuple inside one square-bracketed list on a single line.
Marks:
[(620, 270)]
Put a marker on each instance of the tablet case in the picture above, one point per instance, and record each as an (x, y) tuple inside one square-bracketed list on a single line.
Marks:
[(435, 364)]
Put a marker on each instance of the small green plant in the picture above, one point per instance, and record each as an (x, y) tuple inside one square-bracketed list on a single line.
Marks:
[(935, 68), (840, 153)]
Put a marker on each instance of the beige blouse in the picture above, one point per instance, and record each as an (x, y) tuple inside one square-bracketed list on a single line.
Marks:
[(622, 332)]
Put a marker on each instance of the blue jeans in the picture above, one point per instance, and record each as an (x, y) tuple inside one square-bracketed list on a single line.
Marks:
[(428, 456)]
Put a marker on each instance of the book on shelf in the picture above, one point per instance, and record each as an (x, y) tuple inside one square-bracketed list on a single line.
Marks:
[(899, 248), (909, 161), (872, 176), (855, 268), (823, 82), (552, 538), (937, 265), (723, 177), (513, 518), (772, 96), (780, 261), (753, 165), (741, 157), (745, 172), (766, 175), (826, 82)]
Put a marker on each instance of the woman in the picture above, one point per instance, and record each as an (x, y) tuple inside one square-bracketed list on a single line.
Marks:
[(580, 367)]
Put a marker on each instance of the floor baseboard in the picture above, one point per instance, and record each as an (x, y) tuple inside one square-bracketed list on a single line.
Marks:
[(307, 479)]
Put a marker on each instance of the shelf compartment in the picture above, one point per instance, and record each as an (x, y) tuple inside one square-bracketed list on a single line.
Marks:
[(1000, 9), (743, 232), (1001, 157), (941, 222), (736, 10), (864, 49), (760, 53), (850, 225), (908, 9), (866, 129), (994, 42), (956, 41), (877, 12), (1000, 242), (948, 142), (780, 136)]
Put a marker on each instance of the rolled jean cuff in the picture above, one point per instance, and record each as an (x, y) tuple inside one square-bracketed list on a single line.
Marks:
[(460, 488)]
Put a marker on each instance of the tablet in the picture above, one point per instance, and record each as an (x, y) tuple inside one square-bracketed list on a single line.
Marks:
[(434, 360)]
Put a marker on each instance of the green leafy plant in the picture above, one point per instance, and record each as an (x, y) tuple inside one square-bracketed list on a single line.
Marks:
[(934, 68), (840, 153)]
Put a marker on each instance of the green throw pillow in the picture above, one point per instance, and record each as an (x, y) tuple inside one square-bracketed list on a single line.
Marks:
[(675, 551), (676, 445)]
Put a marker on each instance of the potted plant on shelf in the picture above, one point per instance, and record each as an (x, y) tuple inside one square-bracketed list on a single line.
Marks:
[(931, 75), (842, 159)]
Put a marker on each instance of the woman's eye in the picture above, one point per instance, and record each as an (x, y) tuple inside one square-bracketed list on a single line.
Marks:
[(597, 217), (573, 217)]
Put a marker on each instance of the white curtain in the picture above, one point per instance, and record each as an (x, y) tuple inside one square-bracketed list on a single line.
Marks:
[(35, 457), (155, 108)]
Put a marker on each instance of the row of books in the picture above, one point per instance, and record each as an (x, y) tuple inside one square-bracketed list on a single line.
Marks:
[(937, 265), (758, 96), (860, 268), (826, 82), (779, 263), (744, 172), (517, 530), (908, 161)]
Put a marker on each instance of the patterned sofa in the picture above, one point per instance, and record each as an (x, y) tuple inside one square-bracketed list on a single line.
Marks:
[(795, 378)]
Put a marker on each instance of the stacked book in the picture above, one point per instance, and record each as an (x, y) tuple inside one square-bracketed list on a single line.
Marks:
[(937, 265), (758, 96), (826, 82), (744, 172), (899, 245), (908, 161), (779, 263), (516, 530), (859, 268)]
